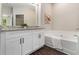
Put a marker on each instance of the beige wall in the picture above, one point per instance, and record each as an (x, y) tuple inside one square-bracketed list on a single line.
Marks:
[(48, 12), (64, 16)]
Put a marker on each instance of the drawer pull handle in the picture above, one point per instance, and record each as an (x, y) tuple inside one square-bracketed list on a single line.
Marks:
[(39, 35), (21, 40)]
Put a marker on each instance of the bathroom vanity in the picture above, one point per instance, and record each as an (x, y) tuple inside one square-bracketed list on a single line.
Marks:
[(21, 41)]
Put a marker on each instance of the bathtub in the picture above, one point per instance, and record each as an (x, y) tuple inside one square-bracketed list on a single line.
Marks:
[(69, 41)]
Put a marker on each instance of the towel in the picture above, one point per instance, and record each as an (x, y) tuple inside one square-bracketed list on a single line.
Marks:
[(57, 43)]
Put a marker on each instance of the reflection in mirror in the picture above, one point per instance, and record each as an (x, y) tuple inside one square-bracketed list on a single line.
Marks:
[(19, 20), (6, 15), (17, 14)]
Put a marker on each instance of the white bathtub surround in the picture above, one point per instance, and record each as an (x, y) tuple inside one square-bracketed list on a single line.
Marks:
[(57, 43), (69, 41)]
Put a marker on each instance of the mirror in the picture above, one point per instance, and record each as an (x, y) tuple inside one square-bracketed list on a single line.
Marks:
[(18, 14)]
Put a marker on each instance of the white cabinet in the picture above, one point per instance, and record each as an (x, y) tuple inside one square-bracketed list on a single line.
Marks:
[(38, 39), (26, 36), (35, 40), (21, 42), (2, 43), (13, 46), (41, 39)]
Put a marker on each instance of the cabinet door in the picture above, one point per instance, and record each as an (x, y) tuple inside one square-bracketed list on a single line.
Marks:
[(41, 39), (13, 46), (27, 43), (35, 40), (2, 43), (38, 39)]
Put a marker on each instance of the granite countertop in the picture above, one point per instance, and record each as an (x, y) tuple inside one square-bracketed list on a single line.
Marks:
[(20, 29)]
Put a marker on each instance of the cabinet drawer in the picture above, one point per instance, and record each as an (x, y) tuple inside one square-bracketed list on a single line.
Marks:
[(27, 32), (12, 34)]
